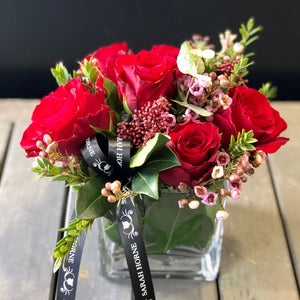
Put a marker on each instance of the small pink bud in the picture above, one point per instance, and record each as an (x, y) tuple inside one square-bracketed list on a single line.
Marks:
[(108, 185), (224, 192), (183, 203), (47, 139), (223, 159), (194, 204), (235, 193), (234, 178), (222, 214), (52, 147), (111, 199), (238, 48), (43, 154), (105, 192), (40, 145), (225, 83), (182, 186)]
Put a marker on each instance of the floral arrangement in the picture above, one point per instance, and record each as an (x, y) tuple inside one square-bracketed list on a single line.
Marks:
[(191, 119)]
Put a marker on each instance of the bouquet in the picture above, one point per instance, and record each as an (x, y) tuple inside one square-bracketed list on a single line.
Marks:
[(191, 124)]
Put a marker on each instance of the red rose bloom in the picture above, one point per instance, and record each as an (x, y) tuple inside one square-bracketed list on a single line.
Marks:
[(147, 76), (250, 110), (196, 146), (106, 59), (66, 115)]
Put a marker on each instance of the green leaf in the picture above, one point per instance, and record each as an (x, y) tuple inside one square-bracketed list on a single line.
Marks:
[(163, 159), (199, 110), (144, 152), (248, 147), (165, 225), (268, 90), (61, 74), (57, 264), (250, 24), (112, 231), (252, 40), (40, 163), (145, 181), (55, 171), (61, 178), (112, 98), (125, 106), (90, 203), (106, 133)]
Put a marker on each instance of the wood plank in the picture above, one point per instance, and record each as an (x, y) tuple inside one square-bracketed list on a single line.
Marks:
[(17, 109), (255, 260), (29, 219), (285, 166)]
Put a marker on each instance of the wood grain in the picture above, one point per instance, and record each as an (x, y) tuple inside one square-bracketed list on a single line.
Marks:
[(5, 130), (29, 219), (285, 169), (255, 261)]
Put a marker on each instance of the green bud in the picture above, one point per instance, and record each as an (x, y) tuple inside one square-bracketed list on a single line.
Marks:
[(73, 232), (58, 254), (63, 248), (79, 226), (85, 223)]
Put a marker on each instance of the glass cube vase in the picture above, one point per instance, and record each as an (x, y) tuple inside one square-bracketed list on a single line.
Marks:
[(180, 242)]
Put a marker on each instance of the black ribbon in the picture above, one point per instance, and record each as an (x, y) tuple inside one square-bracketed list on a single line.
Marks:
[(135, 252), (68, 273), (111, 158)]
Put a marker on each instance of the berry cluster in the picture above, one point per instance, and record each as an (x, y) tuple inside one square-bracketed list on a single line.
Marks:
[(146, 122)]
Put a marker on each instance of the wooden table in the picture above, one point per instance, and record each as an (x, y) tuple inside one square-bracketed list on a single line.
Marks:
[(261, 249)]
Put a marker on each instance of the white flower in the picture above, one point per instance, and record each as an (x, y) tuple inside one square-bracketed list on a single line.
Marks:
[(208, 53), (194, 204), (222, 214), (217, 172), (204, 80)]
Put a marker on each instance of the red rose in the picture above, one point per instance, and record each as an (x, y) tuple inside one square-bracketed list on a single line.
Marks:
[(147, 76), (66, 115), (106, 59), (250, 110), (196, 146)]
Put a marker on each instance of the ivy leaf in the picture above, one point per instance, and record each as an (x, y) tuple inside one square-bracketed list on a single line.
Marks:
[(145, 181), (90, 204), (144, 152), (199, 110), (163, 159)]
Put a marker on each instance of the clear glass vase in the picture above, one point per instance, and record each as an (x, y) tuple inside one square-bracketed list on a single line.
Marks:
[(196, 237)]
